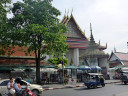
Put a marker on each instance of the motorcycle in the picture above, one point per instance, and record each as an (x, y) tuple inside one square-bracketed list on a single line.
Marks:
[(25, 92)]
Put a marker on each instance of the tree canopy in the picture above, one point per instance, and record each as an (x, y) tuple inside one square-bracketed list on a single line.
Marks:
[(56, 61), (4, 9), (35, 25)]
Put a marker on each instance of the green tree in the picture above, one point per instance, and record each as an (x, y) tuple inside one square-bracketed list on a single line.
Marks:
[(4, 9), (35, 25), (56, 61)]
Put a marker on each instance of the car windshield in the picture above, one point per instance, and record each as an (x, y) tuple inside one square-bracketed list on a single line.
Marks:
[(24, 83), (4, 83)]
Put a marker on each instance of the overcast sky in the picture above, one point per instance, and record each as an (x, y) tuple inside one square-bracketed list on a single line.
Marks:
[(109, 19)]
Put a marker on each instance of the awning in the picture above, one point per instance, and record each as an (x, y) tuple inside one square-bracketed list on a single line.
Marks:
[(6, 69), (49, 67), (84, 67), (71, 67), (95, 68), (21, 67)]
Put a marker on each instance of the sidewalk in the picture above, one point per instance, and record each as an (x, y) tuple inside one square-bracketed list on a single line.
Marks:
[(61, 86)]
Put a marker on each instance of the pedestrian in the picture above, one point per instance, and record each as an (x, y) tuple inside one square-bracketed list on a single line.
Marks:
[(10, 87), (102, 81)]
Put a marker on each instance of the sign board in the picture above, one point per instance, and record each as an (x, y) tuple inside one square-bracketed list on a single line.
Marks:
[(72, 81)]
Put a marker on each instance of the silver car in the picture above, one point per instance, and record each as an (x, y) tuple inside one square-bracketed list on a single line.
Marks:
[(36, 89)]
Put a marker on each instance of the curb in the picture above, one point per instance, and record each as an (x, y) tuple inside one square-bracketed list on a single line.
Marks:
[(69, 86), (45, 89)]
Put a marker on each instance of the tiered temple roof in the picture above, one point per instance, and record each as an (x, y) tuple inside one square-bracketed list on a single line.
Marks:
[(93, 49), (75, 36)]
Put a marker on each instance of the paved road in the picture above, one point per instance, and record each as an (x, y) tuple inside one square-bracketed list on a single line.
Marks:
[(109, 90)]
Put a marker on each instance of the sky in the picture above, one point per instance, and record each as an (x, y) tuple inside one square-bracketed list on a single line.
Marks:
[(109, 20)]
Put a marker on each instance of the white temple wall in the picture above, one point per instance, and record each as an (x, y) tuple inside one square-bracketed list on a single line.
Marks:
[(103, 62)]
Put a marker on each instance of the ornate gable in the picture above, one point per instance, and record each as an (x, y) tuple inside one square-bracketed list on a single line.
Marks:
[(74, 30)]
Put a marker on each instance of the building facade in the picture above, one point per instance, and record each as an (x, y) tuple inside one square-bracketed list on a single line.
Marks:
[(118, 59), (78, 43)]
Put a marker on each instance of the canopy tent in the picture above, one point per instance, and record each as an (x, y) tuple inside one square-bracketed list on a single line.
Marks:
[(117, 67), (84, 67), (124, 68), (71, 67), (72, 70), (6, 69), (51, 66), (21, 67), (95, 68)]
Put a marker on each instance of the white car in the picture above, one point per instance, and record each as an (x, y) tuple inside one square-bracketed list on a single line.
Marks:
[(36, 89)]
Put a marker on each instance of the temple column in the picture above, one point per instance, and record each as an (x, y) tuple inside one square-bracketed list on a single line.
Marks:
[(76, 56)]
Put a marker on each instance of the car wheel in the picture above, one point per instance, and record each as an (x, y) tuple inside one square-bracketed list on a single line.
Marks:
[(36, 92)]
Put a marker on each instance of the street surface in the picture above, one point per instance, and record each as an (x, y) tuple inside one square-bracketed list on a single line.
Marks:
[(115, 89)]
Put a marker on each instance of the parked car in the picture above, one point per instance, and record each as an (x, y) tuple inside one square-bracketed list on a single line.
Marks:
[(36, 89), (93, 80)]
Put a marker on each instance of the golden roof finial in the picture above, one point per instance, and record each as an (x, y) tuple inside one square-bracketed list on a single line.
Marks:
[(106, 45), (72, 11), (114, 49), (90, 28), (65, 13), (99, 42)]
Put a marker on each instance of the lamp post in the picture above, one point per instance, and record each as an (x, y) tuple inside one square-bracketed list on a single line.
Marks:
[(127, 46), (63, 71), (63, 68)]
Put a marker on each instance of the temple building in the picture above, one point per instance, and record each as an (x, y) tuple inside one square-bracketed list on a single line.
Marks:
[(93, 56), (79, 43), (117, 59)]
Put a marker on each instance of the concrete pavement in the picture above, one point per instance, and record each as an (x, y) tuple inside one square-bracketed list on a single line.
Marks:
[(61, 86)]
